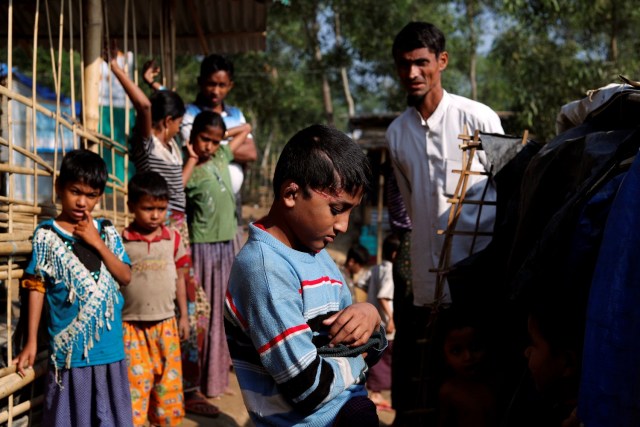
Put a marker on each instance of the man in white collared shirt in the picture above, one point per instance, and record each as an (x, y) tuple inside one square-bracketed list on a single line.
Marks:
[(424, 147)]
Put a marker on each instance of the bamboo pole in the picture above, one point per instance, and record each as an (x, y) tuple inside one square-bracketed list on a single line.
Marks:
[(8, 237), (172, 44), (72, 69), (93, 62), (83, 93), (21, 408), (11, 248), (5, 167), (14, 382), (57, 134), (11, 274), (11, 195), (163, 59), (195, 19), (85, 133)]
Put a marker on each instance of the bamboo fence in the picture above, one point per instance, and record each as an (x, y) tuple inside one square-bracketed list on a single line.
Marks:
[(28, 171)]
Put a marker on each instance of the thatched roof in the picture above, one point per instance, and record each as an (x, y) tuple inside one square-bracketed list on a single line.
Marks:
[(201, 26)]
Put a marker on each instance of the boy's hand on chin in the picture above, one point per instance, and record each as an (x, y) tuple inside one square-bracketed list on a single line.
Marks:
[(353, 325), (86, 230)]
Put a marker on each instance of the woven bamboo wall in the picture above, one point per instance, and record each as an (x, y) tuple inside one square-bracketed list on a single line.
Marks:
[(25, 169), (35, 133)]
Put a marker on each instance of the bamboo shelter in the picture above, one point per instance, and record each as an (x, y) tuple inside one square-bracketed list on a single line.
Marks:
[(39, 124)]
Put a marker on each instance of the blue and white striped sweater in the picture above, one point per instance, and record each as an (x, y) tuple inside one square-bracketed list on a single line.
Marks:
[(275, 305)]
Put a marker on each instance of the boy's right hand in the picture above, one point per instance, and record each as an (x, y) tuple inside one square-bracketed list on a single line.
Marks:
[(353, 325), (26, 358)]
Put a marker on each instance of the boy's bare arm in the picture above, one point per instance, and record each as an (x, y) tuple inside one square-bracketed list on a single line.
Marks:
[(27, 356), (353, 325), (140, 101), (181, 298), (242, 145), (87, 231)]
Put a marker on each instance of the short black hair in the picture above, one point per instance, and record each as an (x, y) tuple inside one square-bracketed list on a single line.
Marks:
[(214, 63), (359, 254), (417, 35), (390, 244), (166, 103), (147, 184), (322, 158), (83, 166), (206, 118)]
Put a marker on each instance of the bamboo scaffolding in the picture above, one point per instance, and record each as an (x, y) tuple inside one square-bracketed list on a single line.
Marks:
[(11, 195), (6, 237), (21, 408), (11, 383), (23, 163), (10, 275)]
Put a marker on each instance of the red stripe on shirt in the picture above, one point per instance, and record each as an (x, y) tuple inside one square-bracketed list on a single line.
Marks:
[(320, 281), (315, 281), (283, 336), (235, 311), (336, 282)]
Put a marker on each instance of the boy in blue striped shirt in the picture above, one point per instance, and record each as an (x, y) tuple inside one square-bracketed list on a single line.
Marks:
[(295, 338)]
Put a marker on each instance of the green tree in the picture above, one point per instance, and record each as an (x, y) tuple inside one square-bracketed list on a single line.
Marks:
[(550, 53)]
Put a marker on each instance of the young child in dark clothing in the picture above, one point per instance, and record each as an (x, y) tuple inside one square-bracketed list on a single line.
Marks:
[(467, 397), (553, 358)]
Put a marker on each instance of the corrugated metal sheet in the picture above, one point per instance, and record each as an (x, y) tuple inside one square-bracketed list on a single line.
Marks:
[(222, 26)]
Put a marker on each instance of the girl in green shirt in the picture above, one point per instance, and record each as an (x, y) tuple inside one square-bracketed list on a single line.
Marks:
[(211, 212)]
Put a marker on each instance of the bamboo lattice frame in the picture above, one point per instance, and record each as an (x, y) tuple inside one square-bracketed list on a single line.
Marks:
[(23, 164), (469, 146)]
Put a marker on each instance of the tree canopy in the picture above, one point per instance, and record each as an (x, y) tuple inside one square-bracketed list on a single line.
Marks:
[(329, 59), (527, 57)]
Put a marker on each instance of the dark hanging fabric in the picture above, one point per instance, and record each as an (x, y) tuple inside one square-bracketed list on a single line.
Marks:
[(558, 184), (479, 279), (610, 388), (541, 193), (541, 246)]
